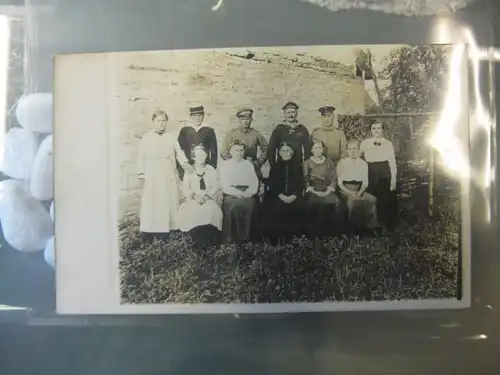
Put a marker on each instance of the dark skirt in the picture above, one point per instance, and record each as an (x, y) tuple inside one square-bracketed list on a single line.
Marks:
[(362, 210), (238, 218), (325, 216), (379, 185), (281, 222), (205, 236)]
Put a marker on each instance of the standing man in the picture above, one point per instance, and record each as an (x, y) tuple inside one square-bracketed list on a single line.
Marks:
[(198, 133), (333, 137), (253, 140), (292, 132)]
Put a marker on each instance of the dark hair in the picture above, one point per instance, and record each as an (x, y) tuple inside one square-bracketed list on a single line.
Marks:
[(353, 141), (237, 142), (287, 144), (158, 114), (198, 146), (376, 122), (315, 141)]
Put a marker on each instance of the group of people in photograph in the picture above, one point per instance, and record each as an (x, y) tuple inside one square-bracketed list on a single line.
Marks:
[(320, 184)]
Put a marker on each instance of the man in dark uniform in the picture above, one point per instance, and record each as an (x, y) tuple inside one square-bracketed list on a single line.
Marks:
[(198, 133), (333, 137), (253, 140), (292, 132)]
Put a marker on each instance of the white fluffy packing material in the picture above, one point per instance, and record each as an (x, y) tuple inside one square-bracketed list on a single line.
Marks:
[(19, 153), (42, 173), (34, 112), (402, 7), (26, 223), (48, 253)]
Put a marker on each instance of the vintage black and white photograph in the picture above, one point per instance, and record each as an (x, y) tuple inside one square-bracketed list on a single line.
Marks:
[(285, 175)]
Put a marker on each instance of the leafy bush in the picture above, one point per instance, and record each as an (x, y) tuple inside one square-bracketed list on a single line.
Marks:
[(417, 260)]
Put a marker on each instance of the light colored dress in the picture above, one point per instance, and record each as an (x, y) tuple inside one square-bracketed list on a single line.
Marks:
[(160, 196), (193, 214)]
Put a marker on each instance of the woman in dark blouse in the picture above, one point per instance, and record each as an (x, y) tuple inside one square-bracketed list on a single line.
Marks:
[(281, 214), (324, 210)]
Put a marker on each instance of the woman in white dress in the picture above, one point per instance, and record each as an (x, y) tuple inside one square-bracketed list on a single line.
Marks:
[(158, 176), (199, 190)]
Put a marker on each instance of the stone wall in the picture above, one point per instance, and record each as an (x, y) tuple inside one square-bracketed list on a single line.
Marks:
[(222, 82)]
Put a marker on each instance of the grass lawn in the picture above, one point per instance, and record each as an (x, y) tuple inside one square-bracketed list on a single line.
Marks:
[(419, 259)]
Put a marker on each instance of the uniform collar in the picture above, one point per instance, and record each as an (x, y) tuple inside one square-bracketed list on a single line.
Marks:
[(245, 130), (329, 129), (198, 127)]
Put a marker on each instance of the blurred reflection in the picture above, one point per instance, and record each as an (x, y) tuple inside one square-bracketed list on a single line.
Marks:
[(4, 68), (217, 6), (447, 142), (477, 337)]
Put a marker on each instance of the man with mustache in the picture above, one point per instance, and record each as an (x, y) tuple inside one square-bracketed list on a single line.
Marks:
[(292, 132)]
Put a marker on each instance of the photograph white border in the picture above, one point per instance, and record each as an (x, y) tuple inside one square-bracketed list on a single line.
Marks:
[(86, 208)]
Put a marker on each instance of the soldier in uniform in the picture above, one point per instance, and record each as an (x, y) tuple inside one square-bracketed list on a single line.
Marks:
[(198, 133), (333, 137), (255, 143), (293, 133)]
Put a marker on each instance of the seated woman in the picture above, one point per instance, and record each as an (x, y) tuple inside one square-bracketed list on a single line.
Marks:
[(239, 187), (281, 215), (352, 177), (200, 214), (324, 210)]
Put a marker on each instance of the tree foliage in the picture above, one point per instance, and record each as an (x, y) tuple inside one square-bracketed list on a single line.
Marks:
[(417, 83), (417, 78)]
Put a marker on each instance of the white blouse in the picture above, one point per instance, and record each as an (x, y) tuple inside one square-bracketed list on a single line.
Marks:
[(233, 173), (191, 183), (349, 169), (378, 150)]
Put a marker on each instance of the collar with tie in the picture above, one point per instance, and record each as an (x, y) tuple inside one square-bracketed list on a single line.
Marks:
[(377, 143), (201, 176)]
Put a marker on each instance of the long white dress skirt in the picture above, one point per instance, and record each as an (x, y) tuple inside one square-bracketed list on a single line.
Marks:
[(191, 214), (160, 196)]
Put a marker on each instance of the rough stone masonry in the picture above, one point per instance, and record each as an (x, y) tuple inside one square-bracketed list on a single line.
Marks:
[(221, 81)]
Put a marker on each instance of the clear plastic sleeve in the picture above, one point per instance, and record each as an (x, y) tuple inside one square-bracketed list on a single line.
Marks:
[(456, 341)]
